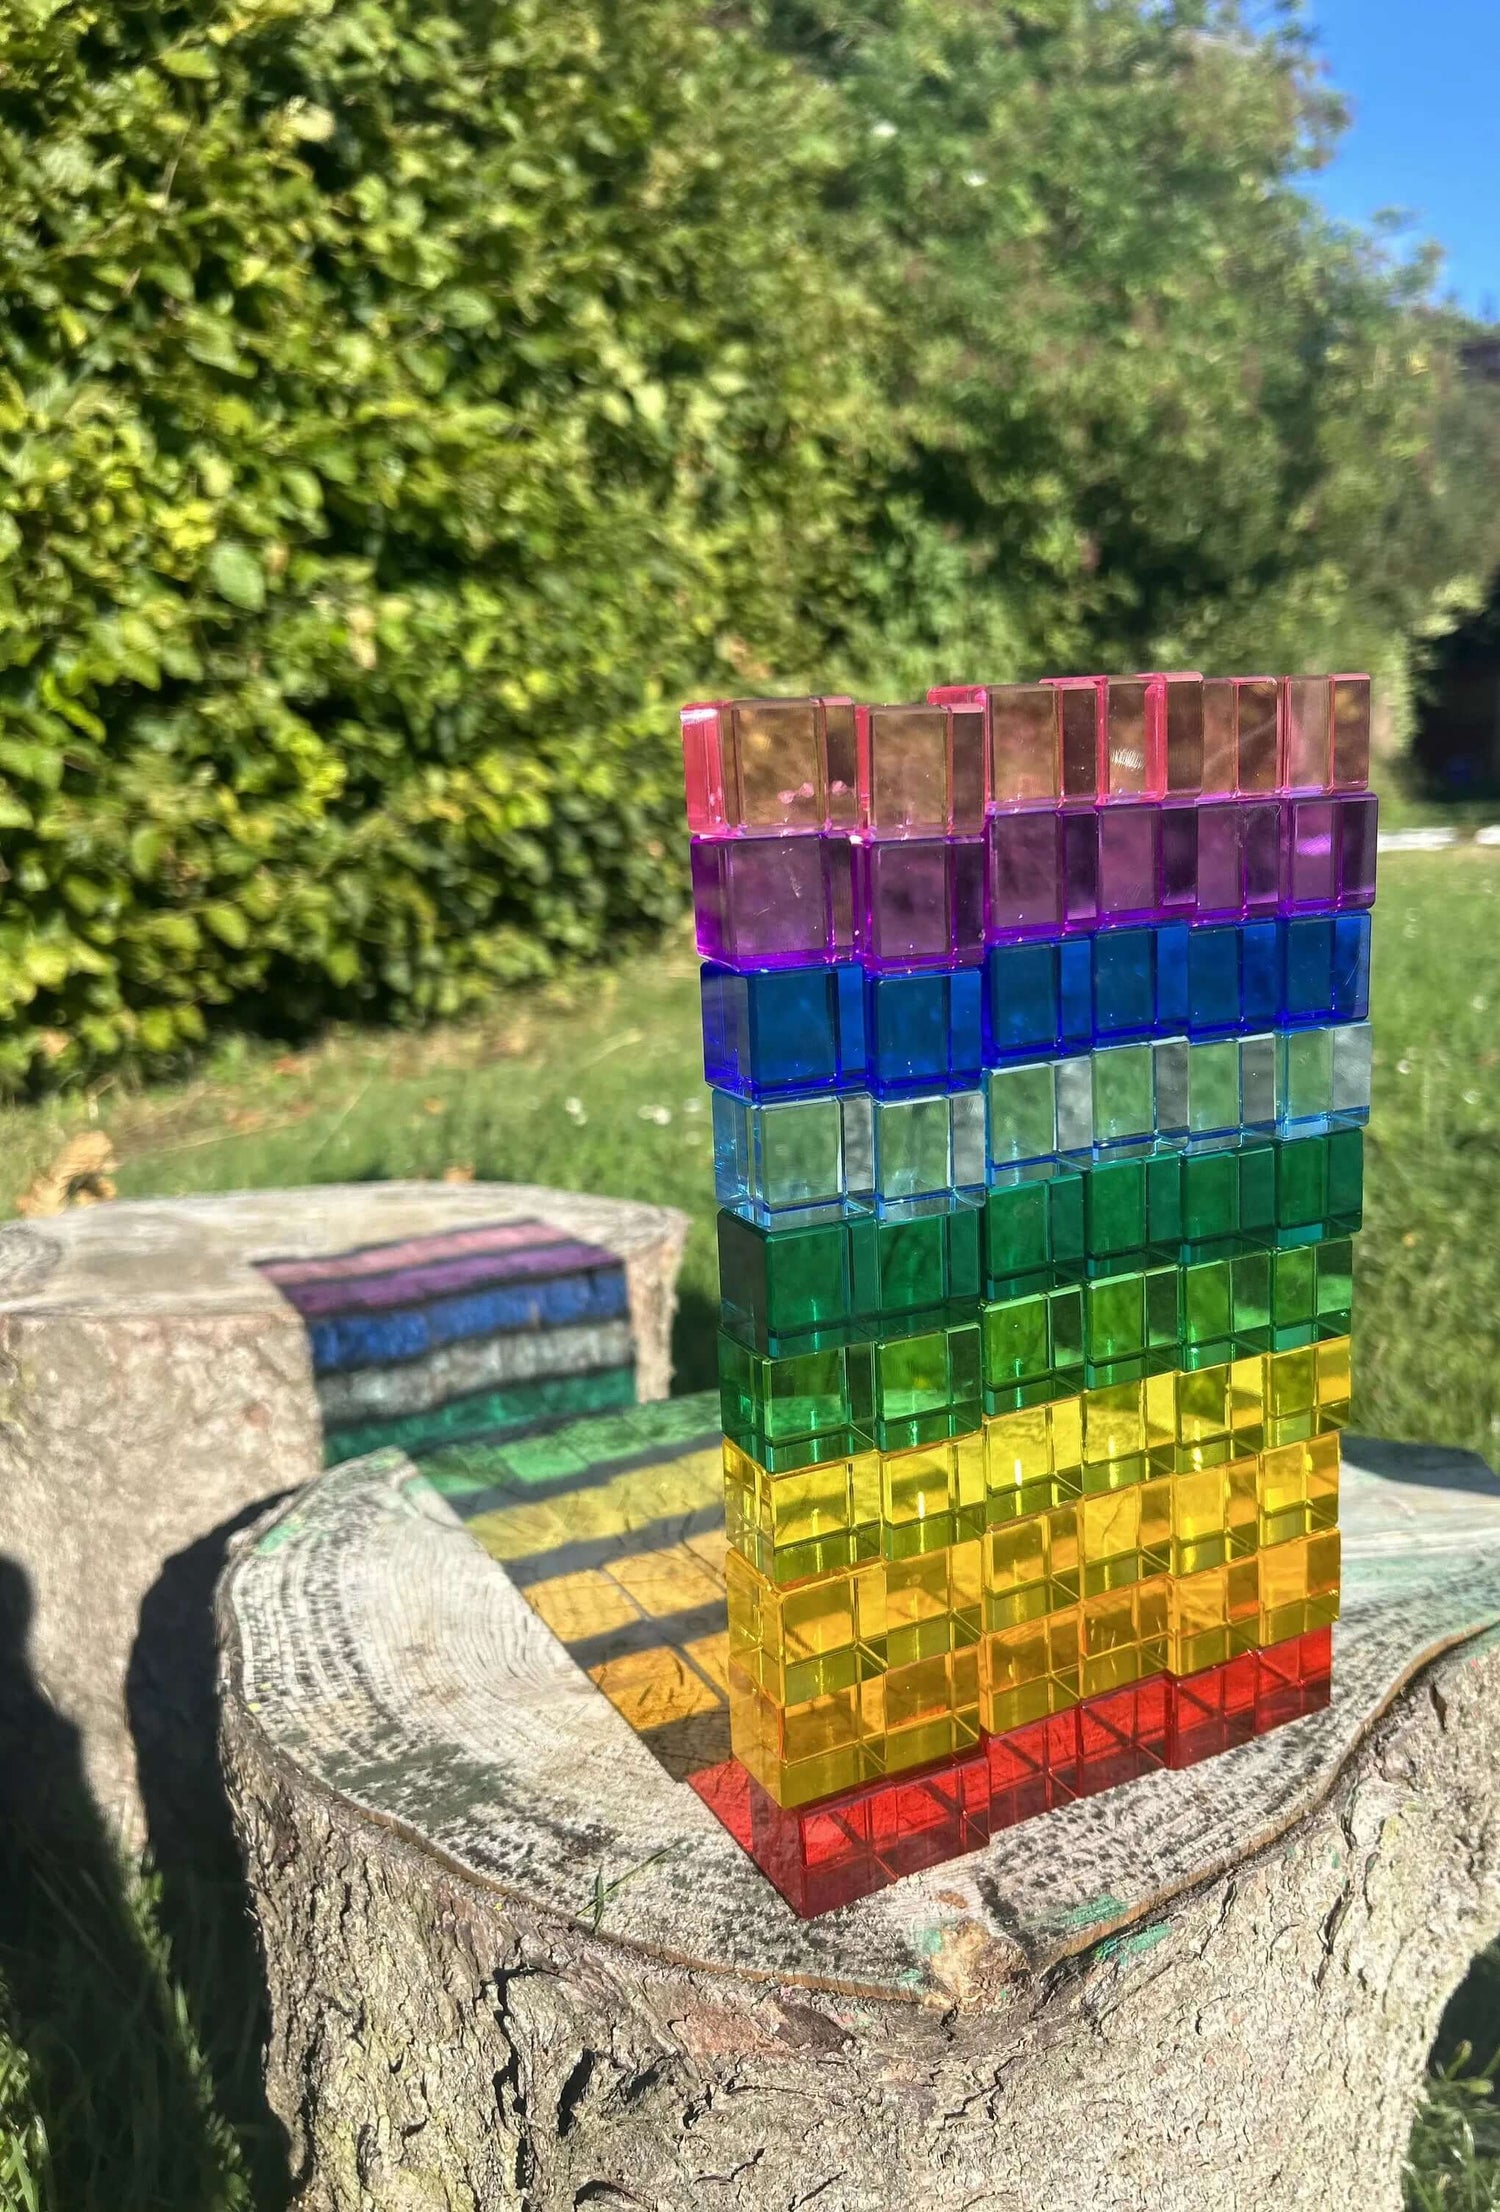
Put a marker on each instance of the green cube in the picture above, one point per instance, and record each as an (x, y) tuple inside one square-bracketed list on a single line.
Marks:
[(918, 1261), (786, 1412), (1302, 1181), (1207, 1314), (1257, 1200), (1250, 1279), (1017, 1240), (1015, 1341), (905, 1264), (1211, 1196), (780, 1282), (1115, 1319), (1163, 1316), (922, 1387), (1067, 1237), (1346, 1179), (1335, 1291), (1294, 1298), (1164, 1203), (1065, 1330), (1115, 1208)]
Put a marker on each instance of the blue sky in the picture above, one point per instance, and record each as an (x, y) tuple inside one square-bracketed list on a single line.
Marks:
[(1423, 78)]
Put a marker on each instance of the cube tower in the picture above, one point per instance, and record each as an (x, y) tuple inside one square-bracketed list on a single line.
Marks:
[(1036, 1019)]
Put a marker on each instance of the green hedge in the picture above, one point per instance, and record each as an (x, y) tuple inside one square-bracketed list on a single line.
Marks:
[(403, 403), (398, 404)]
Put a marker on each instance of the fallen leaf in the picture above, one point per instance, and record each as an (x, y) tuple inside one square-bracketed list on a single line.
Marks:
[(79, 1176), (434, 1105), (458, 1175)]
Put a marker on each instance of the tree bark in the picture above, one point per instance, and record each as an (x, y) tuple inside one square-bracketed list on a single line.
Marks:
[(1212, 1989)]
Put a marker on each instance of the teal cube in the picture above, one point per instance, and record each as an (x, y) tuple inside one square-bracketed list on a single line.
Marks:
[(1124, 1104), (1304, 1078), (1021, 1113), (1213, 1087)]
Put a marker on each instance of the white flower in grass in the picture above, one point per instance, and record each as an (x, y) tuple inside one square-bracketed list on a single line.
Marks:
[(575, 1110), (661, 1115)]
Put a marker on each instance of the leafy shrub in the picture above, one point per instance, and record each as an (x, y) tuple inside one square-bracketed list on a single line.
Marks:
[(397, 403), (1179, 417), (404, 402)]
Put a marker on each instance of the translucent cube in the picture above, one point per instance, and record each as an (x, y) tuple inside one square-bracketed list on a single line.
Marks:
[(1213, 1087), (1025, 744), (1353, 1056), (1122, 1100), (1351, 732), (773, 901), (1258, 1082), (921, 770), (1022, 1113), (1171, 1059), (1074, 1087), (769, 764), (1305, 1080), (913, 1147), (791, 1155), (1307, 716)]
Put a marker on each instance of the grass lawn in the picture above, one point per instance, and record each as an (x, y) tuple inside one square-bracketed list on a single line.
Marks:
[(122, 2100)]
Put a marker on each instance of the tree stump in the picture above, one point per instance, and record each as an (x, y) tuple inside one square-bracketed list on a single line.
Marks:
[(512, 1961), (155, 1387)]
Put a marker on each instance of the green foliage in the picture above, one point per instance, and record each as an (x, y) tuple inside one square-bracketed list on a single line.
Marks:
[(25, 2161), (396, 405), (404, 402), (1177, 417), (122, 2046)]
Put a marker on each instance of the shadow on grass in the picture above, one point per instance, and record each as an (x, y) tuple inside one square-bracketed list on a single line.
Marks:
[(134, 1994), (1453, 2162)]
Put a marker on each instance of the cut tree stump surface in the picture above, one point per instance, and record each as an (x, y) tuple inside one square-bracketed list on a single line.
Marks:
[(512, 1961), (154, 1388)]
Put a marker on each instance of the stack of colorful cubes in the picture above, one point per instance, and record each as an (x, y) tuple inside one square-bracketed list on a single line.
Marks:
[(1036, 1020)]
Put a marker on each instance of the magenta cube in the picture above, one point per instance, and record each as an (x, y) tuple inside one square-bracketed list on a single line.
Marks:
[(772, 901), (1179, 861), (1356, 839), (1260, 856), (1025, 873), (919, 901), (1080, 869), (1128, 848), (1311, 861), (1221, 888)]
